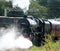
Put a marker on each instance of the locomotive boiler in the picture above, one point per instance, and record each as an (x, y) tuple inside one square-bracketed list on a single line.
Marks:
[(33, 28)]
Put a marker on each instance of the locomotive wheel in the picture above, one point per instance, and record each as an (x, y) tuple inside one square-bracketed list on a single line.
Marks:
[(38, 41)]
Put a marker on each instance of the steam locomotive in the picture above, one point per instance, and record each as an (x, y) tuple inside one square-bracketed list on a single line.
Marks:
[(38, 28), (32, 27)]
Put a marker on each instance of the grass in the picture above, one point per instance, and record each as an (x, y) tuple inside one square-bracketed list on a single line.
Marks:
[(49, 46)]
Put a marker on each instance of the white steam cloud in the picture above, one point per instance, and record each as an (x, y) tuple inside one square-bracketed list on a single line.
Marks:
[(23, 4), (10, 39)]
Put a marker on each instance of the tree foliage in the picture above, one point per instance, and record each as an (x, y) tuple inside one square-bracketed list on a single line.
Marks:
[(46, 8), (43, 2), (15, 12), (37, 10), (54, 8), (4, 4), (11, 12)]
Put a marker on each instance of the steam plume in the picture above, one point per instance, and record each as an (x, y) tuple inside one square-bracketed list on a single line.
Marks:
[(10, 39)]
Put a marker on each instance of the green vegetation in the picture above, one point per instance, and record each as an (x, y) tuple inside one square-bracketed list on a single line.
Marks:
[(45, 8), (10, 11), (49, 46), (37, 8), (4, 5), (15, 12)]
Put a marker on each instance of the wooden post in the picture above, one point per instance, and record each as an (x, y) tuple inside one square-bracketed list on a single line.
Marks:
[(5, 12)]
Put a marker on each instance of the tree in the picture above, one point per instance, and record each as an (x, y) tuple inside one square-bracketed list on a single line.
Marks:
[(50, 8), (43, 2), (1, 7), (4, 5), (37, 10), (15, 12), (54, 8)]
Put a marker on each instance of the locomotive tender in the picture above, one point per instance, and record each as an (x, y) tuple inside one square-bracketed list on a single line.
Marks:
[(32, 27)]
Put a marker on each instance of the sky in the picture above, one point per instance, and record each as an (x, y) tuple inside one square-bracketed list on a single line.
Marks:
[(23, 4)]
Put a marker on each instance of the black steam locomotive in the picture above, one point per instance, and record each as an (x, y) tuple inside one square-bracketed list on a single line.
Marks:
[(38, 28), (32, 27)]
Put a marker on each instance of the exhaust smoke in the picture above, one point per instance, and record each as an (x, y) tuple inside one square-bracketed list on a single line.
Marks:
[(9, 38)]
